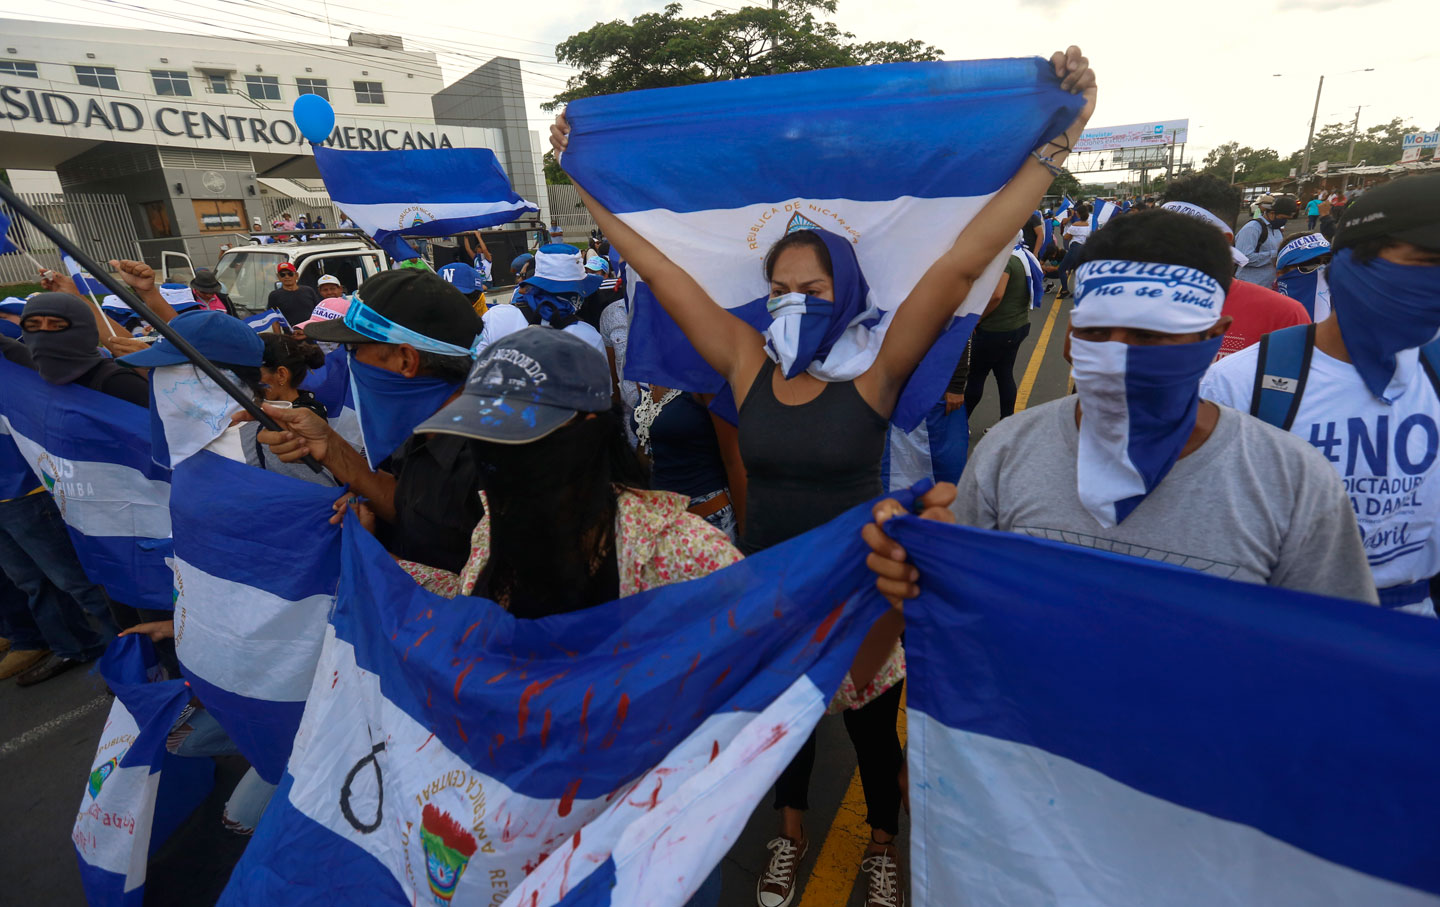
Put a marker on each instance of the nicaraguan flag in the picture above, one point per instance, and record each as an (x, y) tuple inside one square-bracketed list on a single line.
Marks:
[(448, 748), (251, 607), (425, 192), (331, 386), (1034, 274), (83, 281), (714, 174), (92, 453), (6, 246), (1156, 735), (1066, 206), (136, 793), (264, 321), (936, 450)]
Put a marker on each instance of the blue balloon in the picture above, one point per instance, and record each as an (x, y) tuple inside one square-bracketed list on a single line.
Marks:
[(315, 117)]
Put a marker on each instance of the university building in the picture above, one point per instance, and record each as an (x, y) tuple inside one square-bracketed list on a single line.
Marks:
[(189, 137)]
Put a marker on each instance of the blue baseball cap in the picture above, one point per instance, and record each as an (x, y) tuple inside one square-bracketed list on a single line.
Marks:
[(596, 263), (461, 276), (216, 335), (559, 269), (521, 260), (525, 386), (1302, 249)]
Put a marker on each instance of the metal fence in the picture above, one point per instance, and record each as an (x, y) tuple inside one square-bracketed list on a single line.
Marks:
[(295, 206), (100, 224), (569, 212)]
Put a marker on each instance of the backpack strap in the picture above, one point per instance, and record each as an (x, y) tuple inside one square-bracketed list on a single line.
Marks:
[(1430, 361), (1281, 371), (1264, 232)]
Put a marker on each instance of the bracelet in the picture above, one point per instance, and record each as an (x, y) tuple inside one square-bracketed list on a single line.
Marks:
[(1048, 163), (1065, 147)]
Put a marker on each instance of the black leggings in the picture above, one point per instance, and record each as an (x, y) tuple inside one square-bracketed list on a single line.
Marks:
[(994, 351), (877, 750), (1070, 262)]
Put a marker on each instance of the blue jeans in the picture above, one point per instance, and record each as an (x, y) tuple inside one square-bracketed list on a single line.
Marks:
[(38, 557), (16, 624), (248, 801)]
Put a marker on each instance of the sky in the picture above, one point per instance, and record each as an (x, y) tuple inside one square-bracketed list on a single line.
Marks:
[(1241, 70)]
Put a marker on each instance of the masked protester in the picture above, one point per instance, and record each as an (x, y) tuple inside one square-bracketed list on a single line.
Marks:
[(551, 296), (1361, 385), (569, 523), (1253, 310), (44, 592), (815, 386), (1301, 274), (408, 334), (1259, 240), (64, 342), (1140, 461)]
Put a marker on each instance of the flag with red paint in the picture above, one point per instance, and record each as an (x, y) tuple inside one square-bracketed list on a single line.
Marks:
[(451, 753)]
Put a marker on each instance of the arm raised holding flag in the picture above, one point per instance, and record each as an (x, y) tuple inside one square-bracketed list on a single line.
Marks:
[(737, 349)]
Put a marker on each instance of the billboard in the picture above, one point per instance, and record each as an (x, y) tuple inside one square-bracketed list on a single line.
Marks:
[(1136, 135), (1421, 140)]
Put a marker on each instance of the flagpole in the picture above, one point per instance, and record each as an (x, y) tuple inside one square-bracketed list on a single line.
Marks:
[(144, 311)]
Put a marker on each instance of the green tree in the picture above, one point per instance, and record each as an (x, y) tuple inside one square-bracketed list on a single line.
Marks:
[(555, 175), (1255, 163), (1378, 144), (1064, 183), (659, 50)]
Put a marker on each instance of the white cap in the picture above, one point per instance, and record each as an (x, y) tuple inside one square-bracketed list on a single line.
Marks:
[(329, 278)]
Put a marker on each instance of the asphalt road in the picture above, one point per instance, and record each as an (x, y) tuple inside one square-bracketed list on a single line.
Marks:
[(48, 734)]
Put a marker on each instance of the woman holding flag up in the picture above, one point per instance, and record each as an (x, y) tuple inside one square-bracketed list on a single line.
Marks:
[(812, 433)]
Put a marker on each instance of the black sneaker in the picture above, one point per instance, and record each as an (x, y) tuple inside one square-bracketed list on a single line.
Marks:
[(53, 666)]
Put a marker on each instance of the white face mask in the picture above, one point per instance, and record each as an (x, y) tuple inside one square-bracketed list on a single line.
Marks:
[(1138, 406), (194, 412)]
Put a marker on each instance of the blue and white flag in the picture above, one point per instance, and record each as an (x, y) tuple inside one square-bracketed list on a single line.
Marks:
[(607, 756), (266, 320), (1066, 206), (251, 607), (1034, 274), (424, 192), (936, 449), (332, 388), (1156, 735), (83, 281), (92, 453), (136, 794), (6, 246), (1104, 210), (714, 174)]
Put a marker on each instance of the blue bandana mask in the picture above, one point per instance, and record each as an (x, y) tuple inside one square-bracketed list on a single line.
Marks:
[(1138, 407), (389, 406), (1383, 308), (1310, 290)]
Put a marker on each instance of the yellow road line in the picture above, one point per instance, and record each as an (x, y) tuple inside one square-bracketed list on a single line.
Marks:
[(833, 876), (1037, 356)]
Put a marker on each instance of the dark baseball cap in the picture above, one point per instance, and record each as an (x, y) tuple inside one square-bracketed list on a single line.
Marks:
[(1407, 209), (419, 300), (525, 386)]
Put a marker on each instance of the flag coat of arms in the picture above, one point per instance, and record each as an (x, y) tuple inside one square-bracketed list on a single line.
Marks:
[(136, 794), (92, 453), (610, 756), (714, 174), (251, 606)]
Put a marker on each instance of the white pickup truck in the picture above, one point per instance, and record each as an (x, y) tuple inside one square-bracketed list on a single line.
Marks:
[(248, 271)]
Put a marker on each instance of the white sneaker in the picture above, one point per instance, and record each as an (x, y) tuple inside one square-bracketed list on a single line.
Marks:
[(884, 875), (776, 888)]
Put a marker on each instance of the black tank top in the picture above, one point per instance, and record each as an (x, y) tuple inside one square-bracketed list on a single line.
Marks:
[(806, 464)]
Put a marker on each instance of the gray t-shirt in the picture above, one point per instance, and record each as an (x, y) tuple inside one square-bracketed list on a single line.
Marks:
[(1253, 504)]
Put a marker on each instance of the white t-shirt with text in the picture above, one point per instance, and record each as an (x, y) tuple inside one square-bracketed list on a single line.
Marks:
[(1387, 455)]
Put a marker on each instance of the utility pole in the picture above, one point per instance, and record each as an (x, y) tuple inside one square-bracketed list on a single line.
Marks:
[(1349, 155), (1305, 161)]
